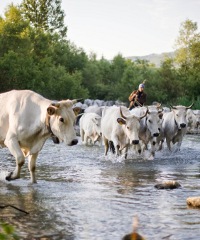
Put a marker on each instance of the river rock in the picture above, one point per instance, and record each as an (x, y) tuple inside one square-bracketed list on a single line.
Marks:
[(193, 201), (168, 185), (134, 236)]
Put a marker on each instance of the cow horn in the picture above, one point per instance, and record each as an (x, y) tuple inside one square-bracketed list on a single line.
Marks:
[(158, 105), (147, 111), (172, 106), (77, 100), (80, 114), (122, 113), (57, 105), (190, 106)]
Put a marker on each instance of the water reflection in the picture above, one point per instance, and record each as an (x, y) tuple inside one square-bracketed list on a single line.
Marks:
[(82, 195)]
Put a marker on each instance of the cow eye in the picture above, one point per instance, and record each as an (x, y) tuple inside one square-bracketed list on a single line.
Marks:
[(150, 121), (61, 119), (128, 127)]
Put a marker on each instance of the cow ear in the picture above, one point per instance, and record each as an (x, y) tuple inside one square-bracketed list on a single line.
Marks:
[(77, 110), (121, 121), (51, 110)]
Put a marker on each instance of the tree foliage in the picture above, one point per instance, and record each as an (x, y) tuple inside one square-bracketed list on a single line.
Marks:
[(36, 54), (45, 15)]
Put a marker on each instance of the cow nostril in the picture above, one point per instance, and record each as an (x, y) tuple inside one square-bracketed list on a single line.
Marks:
[(182, 125), (135, 142), (74, 142), (156, 134)]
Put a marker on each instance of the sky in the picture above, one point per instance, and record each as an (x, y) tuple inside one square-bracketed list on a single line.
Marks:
[(127, 27)]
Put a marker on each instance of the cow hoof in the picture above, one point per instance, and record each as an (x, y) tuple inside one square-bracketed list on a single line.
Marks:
[(8, 177), (151, 158), (168, 185)]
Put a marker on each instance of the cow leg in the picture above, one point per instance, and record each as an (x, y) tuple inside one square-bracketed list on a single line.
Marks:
[(32, 166), (86, 138), (126, 152), (137, 148), (117, 145), (168, 141), (106, 145), (118, 152), (153, 147), (16, 151), (82, 135)]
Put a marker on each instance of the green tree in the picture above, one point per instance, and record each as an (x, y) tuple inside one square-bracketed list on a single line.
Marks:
[(188, 58), (169, 87), (45, 15), (188, 37), (8, 232), (14, 32), (68, 55), (15, 50)]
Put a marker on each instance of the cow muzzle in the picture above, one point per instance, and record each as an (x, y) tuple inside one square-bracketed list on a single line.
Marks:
[(135, 142), (55, 139), (155, 134), (73, 142), (182, 125)]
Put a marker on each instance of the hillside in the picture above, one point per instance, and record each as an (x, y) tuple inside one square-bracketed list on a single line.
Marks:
[(153, 58)]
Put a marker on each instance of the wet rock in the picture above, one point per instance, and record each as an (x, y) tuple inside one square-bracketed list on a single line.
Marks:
[(193, 202), (168, 185), (134, 236)]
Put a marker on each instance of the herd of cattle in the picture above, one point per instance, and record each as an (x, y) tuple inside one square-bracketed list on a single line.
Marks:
[(27, 120), (142, 128)]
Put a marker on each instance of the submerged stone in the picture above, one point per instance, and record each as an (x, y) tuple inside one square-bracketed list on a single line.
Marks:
[(193, 201), (132, 236), (168, 185)]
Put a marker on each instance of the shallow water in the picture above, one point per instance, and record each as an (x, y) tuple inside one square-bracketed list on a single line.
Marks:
[(80, 194)]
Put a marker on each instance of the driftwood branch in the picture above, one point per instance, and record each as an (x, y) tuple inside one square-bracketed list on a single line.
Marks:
[(8, 205)]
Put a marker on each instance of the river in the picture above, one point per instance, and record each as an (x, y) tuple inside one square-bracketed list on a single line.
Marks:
[(83, 195)]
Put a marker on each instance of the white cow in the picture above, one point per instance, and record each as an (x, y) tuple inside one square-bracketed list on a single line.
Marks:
[(197, 114), (27, 120), (95, 109), (193, 120), (90, 128), (120, 127), (150, 126), (174, 126)]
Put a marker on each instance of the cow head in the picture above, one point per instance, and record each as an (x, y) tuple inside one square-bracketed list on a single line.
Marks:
[(180, 113), (154, 122), (97, 124), (131, 126), (61, 121)]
